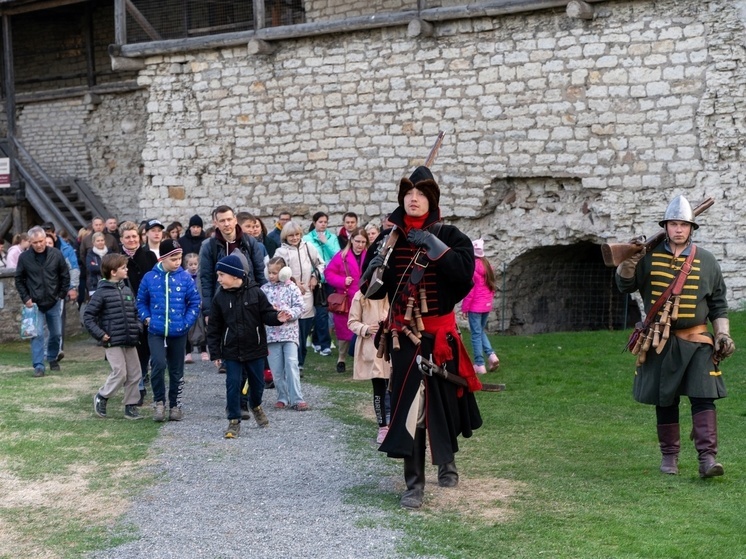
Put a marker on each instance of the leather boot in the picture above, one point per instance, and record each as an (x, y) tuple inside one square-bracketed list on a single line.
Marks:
[(705, 435), (414, 473), (447, 474), (669, 437)]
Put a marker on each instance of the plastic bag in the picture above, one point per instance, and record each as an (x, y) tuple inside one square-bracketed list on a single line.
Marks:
[(31, 322)]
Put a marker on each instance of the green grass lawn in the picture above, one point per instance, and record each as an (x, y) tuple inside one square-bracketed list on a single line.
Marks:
[(565, 466)]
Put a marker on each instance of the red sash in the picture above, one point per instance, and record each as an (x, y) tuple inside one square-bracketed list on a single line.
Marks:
[(440, 327)]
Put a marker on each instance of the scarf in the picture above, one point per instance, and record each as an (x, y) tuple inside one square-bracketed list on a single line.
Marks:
[(414, 222)]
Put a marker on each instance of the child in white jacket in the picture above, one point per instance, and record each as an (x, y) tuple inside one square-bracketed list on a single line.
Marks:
[(282, 341)]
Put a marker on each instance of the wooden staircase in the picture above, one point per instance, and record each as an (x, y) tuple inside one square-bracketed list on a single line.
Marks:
[(68, 203)]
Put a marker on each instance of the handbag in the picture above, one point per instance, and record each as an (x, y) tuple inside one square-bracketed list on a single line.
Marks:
[(319, 293), (339, 302)]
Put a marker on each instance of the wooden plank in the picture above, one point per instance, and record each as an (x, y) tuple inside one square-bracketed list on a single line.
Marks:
[(66, 93), (34, 6), (142, 21), (120, 23), (259, 14)]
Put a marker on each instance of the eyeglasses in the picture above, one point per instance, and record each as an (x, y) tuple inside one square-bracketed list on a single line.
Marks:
[(359, 242)]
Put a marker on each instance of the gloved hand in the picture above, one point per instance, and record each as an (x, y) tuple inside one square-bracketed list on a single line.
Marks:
[(627, 268), (724, 346), (375, 263), (433, 246)]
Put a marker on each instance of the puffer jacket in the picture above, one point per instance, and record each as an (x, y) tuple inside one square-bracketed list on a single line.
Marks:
[(236, 330), (284, 297), (44, 283), (170, 300), (112, 311), (479, 299)]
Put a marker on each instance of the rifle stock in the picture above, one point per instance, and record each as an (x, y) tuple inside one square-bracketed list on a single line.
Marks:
[(616, 253), (376, 279)]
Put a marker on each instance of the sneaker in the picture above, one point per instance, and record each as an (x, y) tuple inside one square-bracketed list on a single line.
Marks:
[(130, 412), (142, 397), (245, 414), (99, 405), (175, 414), (188, 358), (259, 416), (233, 430), (38, 372), (280, 405), (316, 348), (205, 356), (53, 365), (222, 370), (494, 361), (159, 414), (479, 369), (301, 406), (341, 366), (60, 356), (382, 433), (325, 352)]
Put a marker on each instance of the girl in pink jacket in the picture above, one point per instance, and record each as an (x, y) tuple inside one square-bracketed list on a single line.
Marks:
[(477, 306)]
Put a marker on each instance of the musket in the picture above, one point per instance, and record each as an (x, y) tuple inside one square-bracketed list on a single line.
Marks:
[(428, 368), (615, 254), (387, 246)]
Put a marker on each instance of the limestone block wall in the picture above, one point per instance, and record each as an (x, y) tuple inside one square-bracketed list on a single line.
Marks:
[(558, 130)]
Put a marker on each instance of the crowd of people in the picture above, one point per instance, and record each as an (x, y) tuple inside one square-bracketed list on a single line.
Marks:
[(254, 301)]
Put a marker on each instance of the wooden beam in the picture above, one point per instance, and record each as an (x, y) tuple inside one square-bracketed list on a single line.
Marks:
[(90, 55), (257, 46), (420, 28), (578, 9), (260, 14), (142, 21), (120, 23), (38, 6), (10, 98)]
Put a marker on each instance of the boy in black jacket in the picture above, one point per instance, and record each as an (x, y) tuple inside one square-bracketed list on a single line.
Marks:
[(236, 335), (111, 318)]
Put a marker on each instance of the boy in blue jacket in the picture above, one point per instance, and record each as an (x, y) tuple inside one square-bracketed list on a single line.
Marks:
[(168, 304), (236, 335)]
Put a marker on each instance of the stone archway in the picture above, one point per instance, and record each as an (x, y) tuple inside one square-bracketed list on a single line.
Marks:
[(565, 288)]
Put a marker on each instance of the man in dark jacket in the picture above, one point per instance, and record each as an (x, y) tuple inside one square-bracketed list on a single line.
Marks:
[(192, 240), (429, 271), (43, 279), (236, 334), (228, 238)]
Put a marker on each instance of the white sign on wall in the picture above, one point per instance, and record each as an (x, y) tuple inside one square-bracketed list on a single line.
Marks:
[(4, 172)]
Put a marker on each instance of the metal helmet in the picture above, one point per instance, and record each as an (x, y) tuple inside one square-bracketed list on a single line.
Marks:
[(679, 209)]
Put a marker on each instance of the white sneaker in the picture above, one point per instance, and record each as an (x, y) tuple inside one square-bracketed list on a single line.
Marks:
[(188, 358), (316, 348), (382, 431), (205, 356), (325, 352)]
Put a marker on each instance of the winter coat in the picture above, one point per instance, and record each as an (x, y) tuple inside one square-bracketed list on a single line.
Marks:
[(112, 311), (45, 282), (190, 244), (284, 297), (236, 330), (344, 263), (214, 249), (170, 300), (326, 250), (93, 267), (364, 313), (302, 259), (71, 258), (479, 299), (138, 265)]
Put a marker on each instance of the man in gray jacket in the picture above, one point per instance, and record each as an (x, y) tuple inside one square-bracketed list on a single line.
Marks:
[(43, 279)]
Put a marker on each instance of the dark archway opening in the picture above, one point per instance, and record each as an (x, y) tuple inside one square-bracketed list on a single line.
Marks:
[(565, 288)]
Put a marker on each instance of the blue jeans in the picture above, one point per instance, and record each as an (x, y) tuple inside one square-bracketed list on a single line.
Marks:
[(283, 360), (479, 341), (167, 352), (235, 373), (53, 318), (304, 326)]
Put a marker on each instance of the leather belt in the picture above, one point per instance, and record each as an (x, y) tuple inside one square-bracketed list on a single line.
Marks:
[(697, 334)]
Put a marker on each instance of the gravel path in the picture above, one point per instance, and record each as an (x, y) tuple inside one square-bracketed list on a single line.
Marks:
[(277, 491)]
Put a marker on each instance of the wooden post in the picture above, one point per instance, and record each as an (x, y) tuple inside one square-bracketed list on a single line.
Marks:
[(90, 56), (257, 46), (259, 14), (420, 28), (580, 10), (120, 23), (10, 98)]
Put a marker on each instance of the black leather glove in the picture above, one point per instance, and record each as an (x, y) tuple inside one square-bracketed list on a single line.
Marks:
[(434, 247), (376, 262)]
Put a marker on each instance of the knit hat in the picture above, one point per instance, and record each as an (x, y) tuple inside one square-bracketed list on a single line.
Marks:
[(195, 220), (232, 265), (153, 223), (478, 247), (169, 247), (422, 179)]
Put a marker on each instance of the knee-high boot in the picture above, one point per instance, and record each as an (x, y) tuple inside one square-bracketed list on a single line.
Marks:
[(705, 435), (447, 474), (414, 473), (669, 437)]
